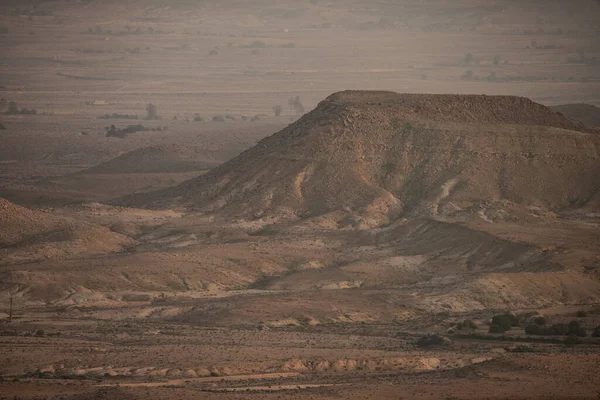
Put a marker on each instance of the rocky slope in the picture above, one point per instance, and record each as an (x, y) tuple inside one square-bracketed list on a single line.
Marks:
[(380, 155)]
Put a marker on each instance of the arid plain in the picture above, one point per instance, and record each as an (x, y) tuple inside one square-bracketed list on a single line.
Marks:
[(224, 201)]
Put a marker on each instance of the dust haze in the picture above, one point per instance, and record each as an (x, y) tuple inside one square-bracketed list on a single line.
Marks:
[(315, 199)]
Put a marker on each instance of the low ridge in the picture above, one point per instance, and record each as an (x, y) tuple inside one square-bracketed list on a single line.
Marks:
[(379, 155), (157, 159), (587, 114)]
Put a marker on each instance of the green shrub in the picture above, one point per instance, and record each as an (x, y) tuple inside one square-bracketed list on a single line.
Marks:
[(467, 324), (502, 320), (497, 329), (218, 118), (572, 339), (575, 329), (580, 314), (539, 321), (572, 329), (560, 329), (596, 332), (514, 320), (432, 340), (521, 348)]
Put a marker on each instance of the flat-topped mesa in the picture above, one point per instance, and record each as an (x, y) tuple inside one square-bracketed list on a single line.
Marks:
[(454, 108), (376, 156)]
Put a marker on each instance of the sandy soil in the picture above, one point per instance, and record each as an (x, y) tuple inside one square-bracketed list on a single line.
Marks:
[(117, 302)]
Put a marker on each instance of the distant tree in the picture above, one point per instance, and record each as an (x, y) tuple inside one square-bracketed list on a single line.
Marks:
[(296, 105), (151, 111), (277, 110), (467, 75), (13, 108), (502, 323), (257, 44)]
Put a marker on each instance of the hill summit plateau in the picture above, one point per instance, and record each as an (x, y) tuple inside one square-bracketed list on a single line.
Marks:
[(377, 156)]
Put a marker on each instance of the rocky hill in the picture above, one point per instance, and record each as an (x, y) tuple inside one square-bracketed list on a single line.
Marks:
[(377, 156), (585, 113), (33, 235)]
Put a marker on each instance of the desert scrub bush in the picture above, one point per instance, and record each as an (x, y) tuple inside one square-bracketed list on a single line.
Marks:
[(575, 329), (572, 339), (497, 329), (2, 127), (539, 321), (409, 127), (218, 118), (13, 109), (580, 314), (113, 131), (277, 110), (432, 341), (467, 75), (535, 329), (198, 118), (501, 323), (465, 325), (257, 44), (521, 348), (387, 168), (596, 331), (118, 116)]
